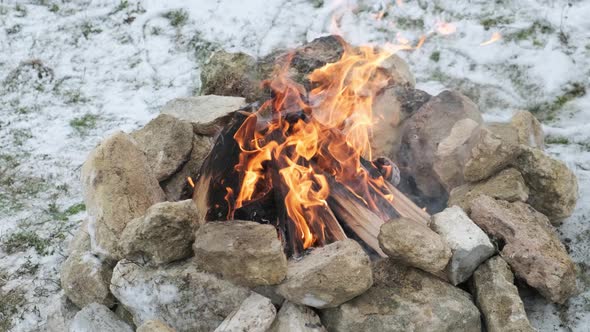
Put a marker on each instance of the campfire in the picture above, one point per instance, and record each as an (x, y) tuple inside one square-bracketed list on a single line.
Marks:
[(313, 174), (302, 160)]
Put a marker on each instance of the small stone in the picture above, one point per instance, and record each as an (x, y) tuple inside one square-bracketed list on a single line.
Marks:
[(256, 314), (167, 143), (507, 185), (529, 129), (81, 239), (469, 244), (414, 244), (296, 318), (405, 299), (531, 248), (498, 299), (398, 71), (98, 318), (553, 186), (60, 315), (154, 325), (165, 234), (85, 279), (421, 135), (177, 186), (178, 294), (245, 252), (206, 113), (118, 187), (328, 276), (453, 152), (489, 155)]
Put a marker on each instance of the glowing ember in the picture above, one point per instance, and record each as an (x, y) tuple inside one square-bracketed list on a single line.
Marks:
[(495, 37), (310, 136)]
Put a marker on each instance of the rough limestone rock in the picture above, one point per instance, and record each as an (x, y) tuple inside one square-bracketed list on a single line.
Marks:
[(85, 279), (553, 186), (178, 294), (453, 152), (270, 292), (498, 299), (489, 155), (296, 318), (165, 234), (421, 135), (504, 130), (231, 74), (245, 252), (469, 244), (60, 315), (532, 247), (118, 187), (529, 129), (398, 71), (167, 143), (507, 185), (393, 105), (414, 244), (98, 318), (206, 113), (154, 325), (256, 314), (328, 276), (177, 186), (81, 239), (405, 299)]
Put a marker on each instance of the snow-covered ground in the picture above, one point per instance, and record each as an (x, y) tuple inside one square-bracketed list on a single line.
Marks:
[(74, 71)]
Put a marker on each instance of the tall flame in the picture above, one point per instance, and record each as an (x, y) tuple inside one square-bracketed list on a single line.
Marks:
[(310, 136)]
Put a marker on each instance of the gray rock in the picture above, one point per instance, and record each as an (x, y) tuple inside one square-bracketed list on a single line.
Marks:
[(398, 71), (414, 244), (498, 299), (405, 299), (231, 74), (529, 129), (60, 316), (421, 135), (245, 252), (98, 318), (167, 143), (296, 318), (206, 113), (469, 244), (328, 276), (270, 291), (489, 155), (504, 130), (179, 295), (392, 106), (85, 279), (453, 152), (165, 234), (256, 314), (532, 247), (118, 187), (553, 186), (177, 186), (507, 185), (154, 326)]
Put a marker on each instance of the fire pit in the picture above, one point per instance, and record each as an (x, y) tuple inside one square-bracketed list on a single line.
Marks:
[(313, 198)]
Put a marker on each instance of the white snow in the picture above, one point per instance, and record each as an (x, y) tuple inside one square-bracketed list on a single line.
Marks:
[(102, 74)]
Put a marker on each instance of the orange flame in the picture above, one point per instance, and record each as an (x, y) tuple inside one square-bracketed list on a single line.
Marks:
[(308, 137), (495, 37)]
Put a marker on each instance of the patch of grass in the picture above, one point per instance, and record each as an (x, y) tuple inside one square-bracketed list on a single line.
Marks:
[(489, 22), (21, 136), (21, 11), (317, 3), (548, 109), (88, 29), (535, 28), (56, 214), (54, 8), (124, 4), (435, 56), (410, 23), (557, 140), (14, 29), (75, 209), (177, 17), (84, 123), (74, 97), (24, 240), (10, 302), (156, 31)]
